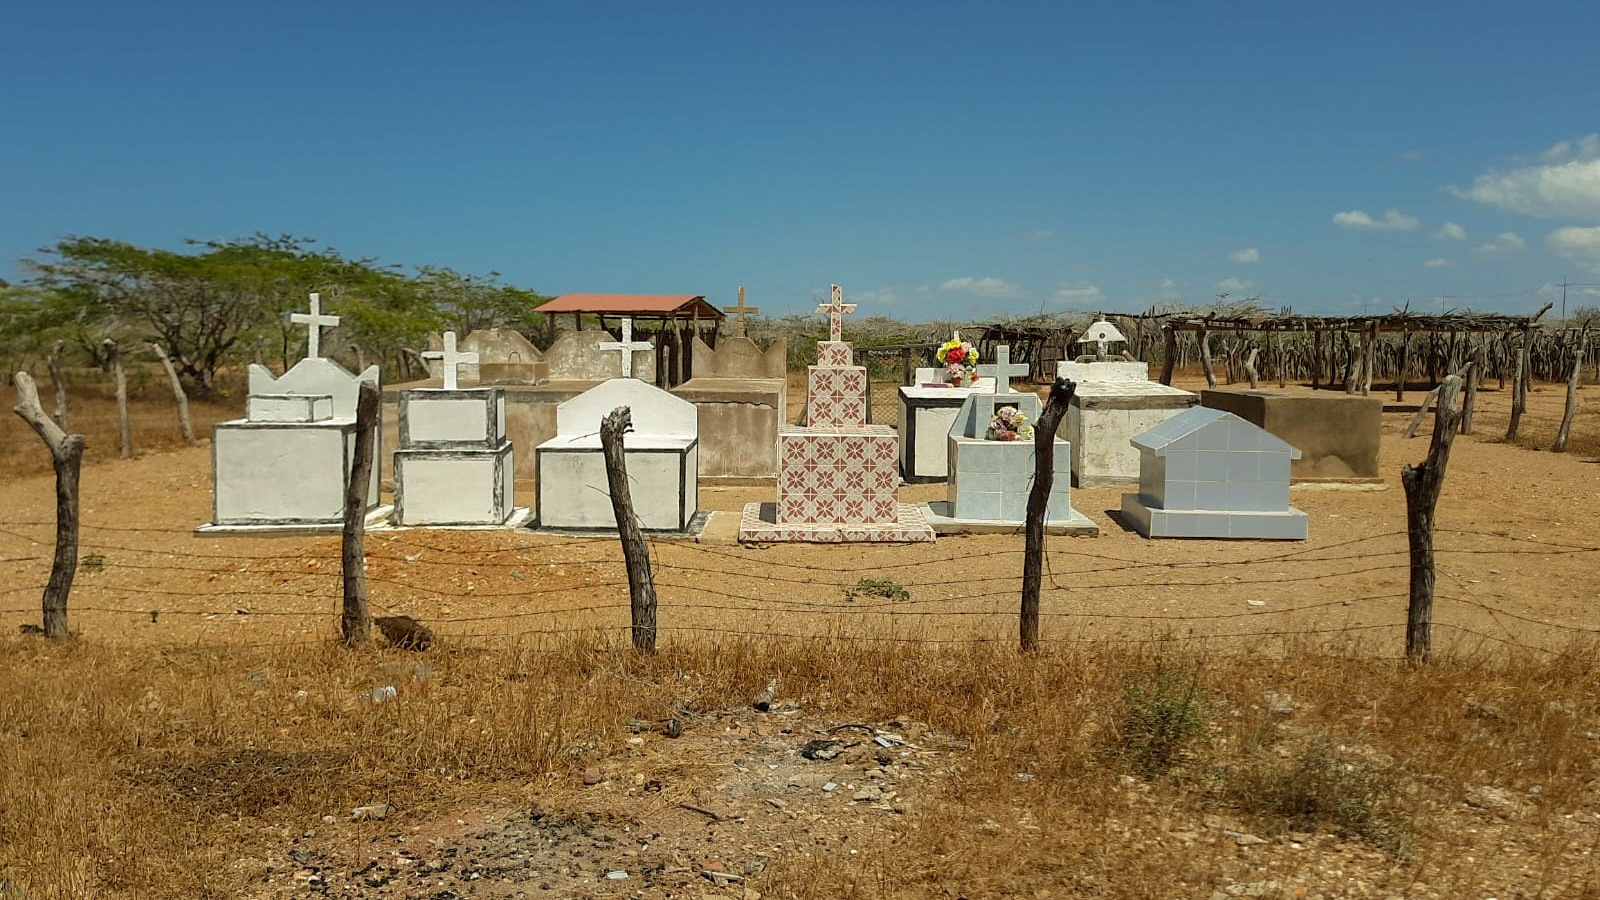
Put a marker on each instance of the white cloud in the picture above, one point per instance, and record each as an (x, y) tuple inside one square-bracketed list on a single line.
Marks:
[(1575, 242), (1566, 182), (1247, 255), (1393, 220), (1504, 242), (1079, 293), (989, 287), (1235, 285), (881, 295), (1167, 284), (1038, 234), (1452, 231), (1438, 262), (1412, 155)]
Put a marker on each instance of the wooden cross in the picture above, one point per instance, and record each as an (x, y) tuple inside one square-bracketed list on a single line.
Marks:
[(739, 313), (451, 359), (836, 309), (627, 345), (316, 322), (1002, 371)]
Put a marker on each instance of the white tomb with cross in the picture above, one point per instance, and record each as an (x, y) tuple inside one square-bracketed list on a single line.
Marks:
[(661, 452), (627, 347), (989, 480), (284, 466), (1099, 364), (454, 466)]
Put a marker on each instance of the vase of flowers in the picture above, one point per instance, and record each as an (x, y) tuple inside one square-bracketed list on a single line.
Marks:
[(960, 361), (1009, 424)]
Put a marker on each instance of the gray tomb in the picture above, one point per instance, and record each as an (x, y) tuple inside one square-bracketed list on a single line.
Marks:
[(454, 465), (1205, 473)]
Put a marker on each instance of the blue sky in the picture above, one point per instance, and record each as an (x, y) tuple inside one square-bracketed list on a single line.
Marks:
[(935, 159)]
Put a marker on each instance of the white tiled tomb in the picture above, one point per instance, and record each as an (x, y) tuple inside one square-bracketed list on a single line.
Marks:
[(1205, 473)]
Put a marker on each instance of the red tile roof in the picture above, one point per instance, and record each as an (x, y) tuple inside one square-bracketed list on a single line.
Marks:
[(633, 305)]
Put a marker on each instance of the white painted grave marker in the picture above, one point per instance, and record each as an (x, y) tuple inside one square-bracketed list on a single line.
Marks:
[(1002, 370), (627, 345), (451, 359), (315, 322)]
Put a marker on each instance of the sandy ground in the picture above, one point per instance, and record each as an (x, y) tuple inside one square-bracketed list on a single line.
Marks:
[(1518, 531)]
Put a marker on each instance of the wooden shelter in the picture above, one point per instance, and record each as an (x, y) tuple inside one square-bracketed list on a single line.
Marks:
[(673, 320)]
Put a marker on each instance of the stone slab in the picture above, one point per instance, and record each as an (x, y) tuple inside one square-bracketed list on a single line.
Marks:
[(283, 473), (376, 518), (288, 408), (1109, 370), (1282, 525), (454, 487), (1337, 434), (434, 418), (520, 518), (758, 524), (738, 420), (938, 514), (573, 492), (1105, 416)]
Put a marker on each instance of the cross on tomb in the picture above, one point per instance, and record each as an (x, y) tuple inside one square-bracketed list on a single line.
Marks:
[(315, 321), (739, 313), (451, 359), (1002, 370), (627, 345), (836, 313)]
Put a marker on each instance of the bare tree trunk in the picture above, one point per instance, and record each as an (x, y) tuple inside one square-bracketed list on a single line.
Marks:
[(1422, 485), (1405, 362), (1352, 368), (1170, 353), (1283, 378), (59, 383), (1316, 360), (1369, 359), (1479, 360), (1205, 359), (635, 555), (178, 396), (355, 622), (1250, 368), (1518, 395), (1560, 446), (114, 360), (66, 455), (1044, 433)]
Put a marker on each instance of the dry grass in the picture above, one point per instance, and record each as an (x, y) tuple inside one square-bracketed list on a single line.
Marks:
[(141, 773)]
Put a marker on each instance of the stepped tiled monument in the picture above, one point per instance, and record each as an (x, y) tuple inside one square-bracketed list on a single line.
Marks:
[(454, 465), (837, 476), (284, 466)]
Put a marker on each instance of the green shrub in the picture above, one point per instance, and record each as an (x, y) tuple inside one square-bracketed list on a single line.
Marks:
[(1161, 715), (1325, 788)]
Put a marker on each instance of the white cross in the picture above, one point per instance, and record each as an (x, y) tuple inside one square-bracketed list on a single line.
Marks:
[(739, 312), (451, 359), (627, 345), (836, 309), (317, 321), (1002, 371)]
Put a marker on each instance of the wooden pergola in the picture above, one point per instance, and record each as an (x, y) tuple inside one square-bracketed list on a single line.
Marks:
[(674, 320)]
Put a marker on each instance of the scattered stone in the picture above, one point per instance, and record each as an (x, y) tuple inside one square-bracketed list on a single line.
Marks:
[(1255, 889), (328, 820), (404, 632), (1280, 704), (371, 811), (1486, 709), (1024, 776), (1245, 839), (821, 749), (1256, 602), (616, 875), (830, 786), (30, 629), (1494, 799), (591, 775), (673, 728), (871, 793)]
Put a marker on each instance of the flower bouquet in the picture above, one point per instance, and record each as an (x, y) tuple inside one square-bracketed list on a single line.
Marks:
[(1009, 424), (960, 361)]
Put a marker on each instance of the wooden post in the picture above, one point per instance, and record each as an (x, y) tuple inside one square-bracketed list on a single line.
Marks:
[(1565, 431), (1316, 359), (907, 370), (1250, 368), (1518, 395), (178, 396), (1205, 358), (114, 359), (1422, 484), (1169, 361), (1044, 434), (66, 454), (1405, 362), (1369, 360), (767, 697), (641, 584), (1352, 365), (355, 623), (1479, 360), (1283, 379), (59, 383)]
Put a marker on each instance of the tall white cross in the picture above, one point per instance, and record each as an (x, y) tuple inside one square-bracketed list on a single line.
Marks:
[(627, 345), (1002, 371), (316, 322), (836, 309), (451, 359), (739, 313)]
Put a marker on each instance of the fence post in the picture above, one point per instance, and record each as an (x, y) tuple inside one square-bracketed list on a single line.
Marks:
[(1169, 350), (1518, 390), (1044, 436), (66, 454), (641, 584), (1479, 360), (1565, 431), (178, 396), (1422, 484), (355, 623), (1205, 359), (59, 383), (114, 359)]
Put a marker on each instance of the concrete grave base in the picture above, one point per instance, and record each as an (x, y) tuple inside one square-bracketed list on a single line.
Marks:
[(283, 473), (521, 517), (694, 531), (759, 525), (376, 519), (939, 515), (1154, 522), (1336, 433), (1104, 416), (453, 487), (926, 415), (575, 494)]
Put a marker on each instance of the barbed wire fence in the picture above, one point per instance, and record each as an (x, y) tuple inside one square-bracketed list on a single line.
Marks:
[(562, 586)]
